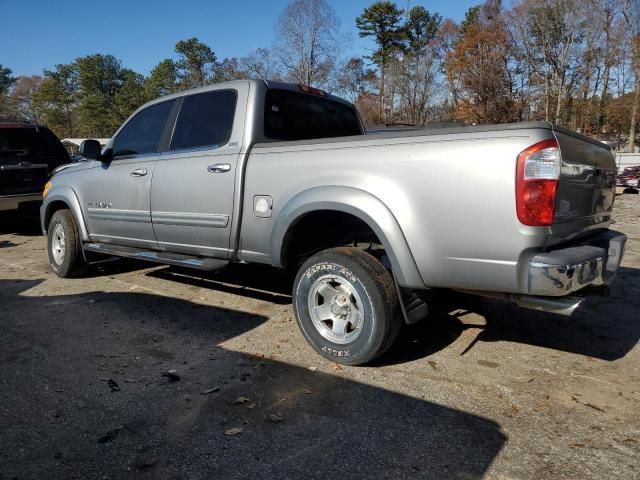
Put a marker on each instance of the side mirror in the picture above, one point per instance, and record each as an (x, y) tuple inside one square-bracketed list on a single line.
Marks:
[(90, 149)]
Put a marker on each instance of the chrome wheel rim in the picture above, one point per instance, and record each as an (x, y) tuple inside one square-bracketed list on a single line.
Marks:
[(58, 246), (336, 309)]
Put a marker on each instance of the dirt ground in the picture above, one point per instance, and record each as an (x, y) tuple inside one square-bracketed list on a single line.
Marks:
[(143, 371)]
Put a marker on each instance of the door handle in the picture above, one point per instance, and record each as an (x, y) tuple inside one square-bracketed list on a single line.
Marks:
[(138, 172), (219, 168)]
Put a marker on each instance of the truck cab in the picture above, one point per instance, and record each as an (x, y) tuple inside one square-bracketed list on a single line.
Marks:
[(179, 161)]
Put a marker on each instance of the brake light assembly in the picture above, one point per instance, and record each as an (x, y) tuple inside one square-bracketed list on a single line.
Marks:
[(312, 90), (537, 178)]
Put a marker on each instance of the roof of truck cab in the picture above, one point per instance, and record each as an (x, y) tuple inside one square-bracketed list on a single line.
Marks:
[(206, 88), (270, 84)]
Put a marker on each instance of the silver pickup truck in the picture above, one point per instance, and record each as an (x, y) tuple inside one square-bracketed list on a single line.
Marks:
[(282, 174)]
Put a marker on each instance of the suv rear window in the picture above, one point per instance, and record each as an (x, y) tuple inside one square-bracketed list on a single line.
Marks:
[(30, 142), (293, 115)]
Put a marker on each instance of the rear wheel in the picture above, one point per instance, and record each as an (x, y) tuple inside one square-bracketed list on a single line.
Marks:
[(63, 245), (346, 305)]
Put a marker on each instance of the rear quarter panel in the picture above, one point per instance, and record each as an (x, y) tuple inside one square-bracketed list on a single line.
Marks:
[(453, 195)]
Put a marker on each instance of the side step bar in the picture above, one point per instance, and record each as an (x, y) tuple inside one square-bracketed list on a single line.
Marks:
[(178, 259)]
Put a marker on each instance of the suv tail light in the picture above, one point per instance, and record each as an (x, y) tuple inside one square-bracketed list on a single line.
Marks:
[(537, 175)]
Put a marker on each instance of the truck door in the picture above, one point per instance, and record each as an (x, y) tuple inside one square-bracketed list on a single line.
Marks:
[(116, 195), (194, 181)]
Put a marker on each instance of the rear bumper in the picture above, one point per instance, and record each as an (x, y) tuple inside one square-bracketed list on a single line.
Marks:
[(13, 202), (592, 262)]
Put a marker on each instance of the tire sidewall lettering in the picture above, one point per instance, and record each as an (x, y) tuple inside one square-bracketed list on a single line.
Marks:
[(304, 319), (328, 267)]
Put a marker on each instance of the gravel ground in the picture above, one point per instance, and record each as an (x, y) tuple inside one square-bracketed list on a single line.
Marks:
[(156, 372)]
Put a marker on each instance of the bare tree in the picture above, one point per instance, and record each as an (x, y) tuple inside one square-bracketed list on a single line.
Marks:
[(20, 100), (605, 14), (354, 78), (631, 11), (308, 40), (262, 65), (229, 69), (560, 27), (417, 85), (551, 34)]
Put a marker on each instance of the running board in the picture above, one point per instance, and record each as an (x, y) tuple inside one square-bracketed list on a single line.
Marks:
[(168, 258)]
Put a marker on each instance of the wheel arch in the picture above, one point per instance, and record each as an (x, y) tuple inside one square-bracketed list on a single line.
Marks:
[(360, 204), (60, 198)]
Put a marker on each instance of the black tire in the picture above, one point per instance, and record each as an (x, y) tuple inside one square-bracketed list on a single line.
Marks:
[(71, 262), (373, 296)]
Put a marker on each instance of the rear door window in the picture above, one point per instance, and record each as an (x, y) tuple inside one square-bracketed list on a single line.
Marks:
[(53, 146), (205, 120), (33, 144), (293, 115), (21, 143), (143, 133)]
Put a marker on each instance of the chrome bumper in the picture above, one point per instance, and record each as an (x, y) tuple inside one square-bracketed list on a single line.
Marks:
[(12, 202), (561, 272)]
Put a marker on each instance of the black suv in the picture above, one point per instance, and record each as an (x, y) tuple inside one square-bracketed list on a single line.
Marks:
[(28, 154)]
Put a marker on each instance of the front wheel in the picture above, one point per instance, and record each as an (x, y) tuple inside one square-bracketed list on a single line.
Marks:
[(64, 248), (346, 305)]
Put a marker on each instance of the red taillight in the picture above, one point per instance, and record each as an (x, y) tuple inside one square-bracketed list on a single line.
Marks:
[(537, 175), (312, 90)]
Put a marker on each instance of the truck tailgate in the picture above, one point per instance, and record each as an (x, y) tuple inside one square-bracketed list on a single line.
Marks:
[(587, 183)]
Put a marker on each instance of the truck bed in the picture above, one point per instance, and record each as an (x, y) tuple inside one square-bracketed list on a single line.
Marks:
[(451, 190), (458, 130)]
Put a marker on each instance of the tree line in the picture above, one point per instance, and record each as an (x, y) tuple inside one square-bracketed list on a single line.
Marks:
[(572, 62)]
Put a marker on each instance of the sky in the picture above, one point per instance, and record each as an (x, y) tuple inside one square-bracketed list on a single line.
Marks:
[(39, 34)]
